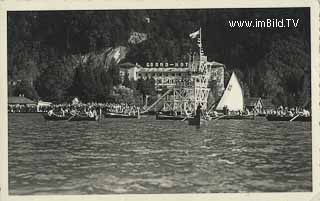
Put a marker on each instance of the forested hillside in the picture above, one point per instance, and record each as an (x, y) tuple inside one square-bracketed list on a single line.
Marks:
[(42, 45)]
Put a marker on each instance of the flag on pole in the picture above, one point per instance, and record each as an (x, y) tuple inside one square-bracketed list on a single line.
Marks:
[(194, 34)]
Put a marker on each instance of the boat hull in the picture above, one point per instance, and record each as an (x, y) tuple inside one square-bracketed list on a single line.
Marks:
[(79, 118), (197, 121), (169, 117), (55, 118), (286, 118), (237, 117), (117, 115), (69, 118)]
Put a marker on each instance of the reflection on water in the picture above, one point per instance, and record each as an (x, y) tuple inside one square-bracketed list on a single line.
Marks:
[(149, 156)]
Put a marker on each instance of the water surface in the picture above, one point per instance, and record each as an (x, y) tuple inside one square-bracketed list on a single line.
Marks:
[(114, 156)]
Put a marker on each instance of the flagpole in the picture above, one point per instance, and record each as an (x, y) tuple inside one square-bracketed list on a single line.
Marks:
[(200, 45)]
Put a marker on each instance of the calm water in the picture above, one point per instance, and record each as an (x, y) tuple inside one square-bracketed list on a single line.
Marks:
[(149, 156)]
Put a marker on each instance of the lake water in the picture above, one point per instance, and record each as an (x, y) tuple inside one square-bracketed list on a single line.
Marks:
[(115, 156)]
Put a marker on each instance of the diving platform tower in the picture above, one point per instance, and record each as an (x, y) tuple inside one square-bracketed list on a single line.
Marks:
[(190, 90)]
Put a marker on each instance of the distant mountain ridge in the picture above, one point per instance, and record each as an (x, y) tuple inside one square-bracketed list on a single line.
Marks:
[(269, 62)]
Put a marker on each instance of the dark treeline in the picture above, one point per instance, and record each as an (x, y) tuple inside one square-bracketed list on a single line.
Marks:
[(270, 62)]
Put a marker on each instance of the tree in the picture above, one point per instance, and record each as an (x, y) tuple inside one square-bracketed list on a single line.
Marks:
[(54, 82), (126, 80), (114, 72), (283, 69), (270, 60), (25, 88)]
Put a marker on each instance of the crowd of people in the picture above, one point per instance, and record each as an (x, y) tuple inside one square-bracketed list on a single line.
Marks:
[(89, 109), (279, 111), (285, 111), (73, 111), (21, 108), (94, 109), (122, 108)]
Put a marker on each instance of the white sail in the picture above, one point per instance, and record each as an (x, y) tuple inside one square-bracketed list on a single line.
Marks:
[(232, 96)]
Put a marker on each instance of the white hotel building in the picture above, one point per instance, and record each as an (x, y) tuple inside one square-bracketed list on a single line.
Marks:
[(168, 74)]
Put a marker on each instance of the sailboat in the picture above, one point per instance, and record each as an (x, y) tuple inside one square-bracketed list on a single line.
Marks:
[(232, 97), (232, 101)]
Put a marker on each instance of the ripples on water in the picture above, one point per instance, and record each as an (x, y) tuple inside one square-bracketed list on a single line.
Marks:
[(149, 156)]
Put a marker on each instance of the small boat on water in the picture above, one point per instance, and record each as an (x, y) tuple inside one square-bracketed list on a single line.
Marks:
[(232, 102), (232, 97), (84, 118), (235, 117), (287, 118), (69, 118), (55, 117), (197, 121), (119, 115), (169, 117)]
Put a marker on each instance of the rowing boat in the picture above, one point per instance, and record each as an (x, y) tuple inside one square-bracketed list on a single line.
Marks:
[(69, 118), (235, 117), (84, 118), (56, 117), (197, 121), (169, 117), (287, 118), (119, 115)]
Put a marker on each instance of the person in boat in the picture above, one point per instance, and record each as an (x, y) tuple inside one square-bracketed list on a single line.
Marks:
[(50, 113), (207, 116), (90, 114), (305, 113), (66, 111), (73, 112), (225, 110), (247, 112), (175, 113), (133, 112), (100, 111), (290, 113), (198, 112), (95, 113), (62, 112)]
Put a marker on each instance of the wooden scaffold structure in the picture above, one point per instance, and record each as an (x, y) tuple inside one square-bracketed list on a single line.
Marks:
[(186, 94)]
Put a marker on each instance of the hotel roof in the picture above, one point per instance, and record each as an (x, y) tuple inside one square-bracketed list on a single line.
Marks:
[(157, 70)]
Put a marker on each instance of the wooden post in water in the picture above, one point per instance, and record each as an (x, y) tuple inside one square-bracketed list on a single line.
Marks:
[(138, 114)]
